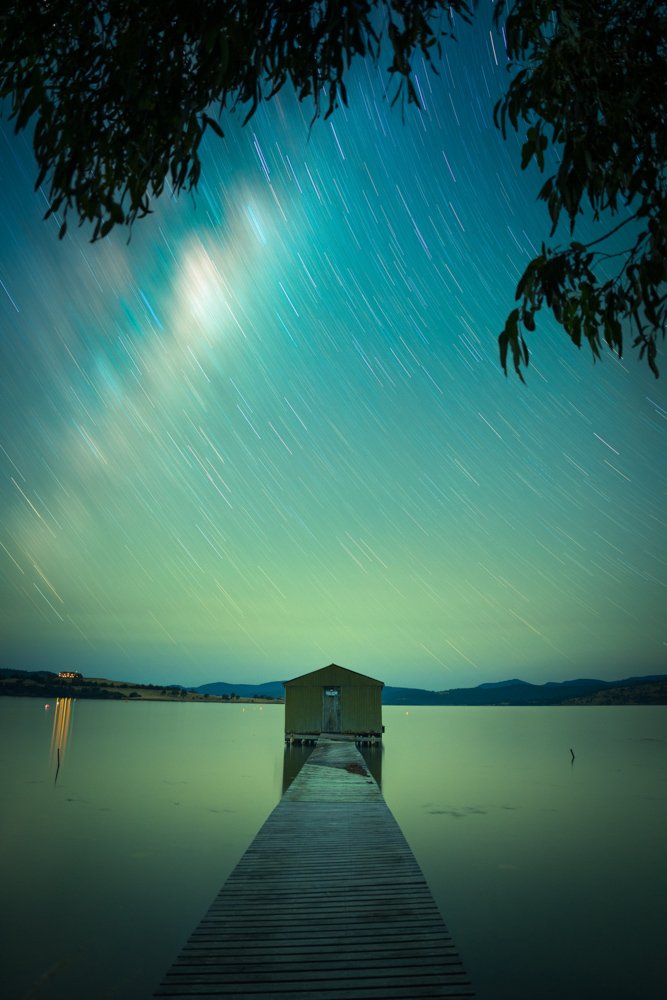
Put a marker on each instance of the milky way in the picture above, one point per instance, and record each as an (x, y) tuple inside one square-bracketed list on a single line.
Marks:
[(272, 431)]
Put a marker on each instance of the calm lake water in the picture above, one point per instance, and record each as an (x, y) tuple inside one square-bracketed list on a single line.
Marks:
[(551, 875)]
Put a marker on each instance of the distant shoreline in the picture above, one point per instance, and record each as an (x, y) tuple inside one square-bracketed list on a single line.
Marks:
[(512, 693), (38, 684)]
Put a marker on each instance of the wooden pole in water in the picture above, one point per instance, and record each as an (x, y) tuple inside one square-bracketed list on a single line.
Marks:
[(58, 767), (572, 752)]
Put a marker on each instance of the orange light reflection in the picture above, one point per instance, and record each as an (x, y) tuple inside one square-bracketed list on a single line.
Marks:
[(62, 727)]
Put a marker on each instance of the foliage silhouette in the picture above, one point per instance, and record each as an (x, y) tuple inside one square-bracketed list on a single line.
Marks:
[(591, 82), (120, 94)]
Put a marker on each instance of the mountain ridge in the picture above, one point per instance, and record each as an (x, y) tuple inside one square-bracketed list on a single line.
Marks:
[(509, 692), (648, 689)]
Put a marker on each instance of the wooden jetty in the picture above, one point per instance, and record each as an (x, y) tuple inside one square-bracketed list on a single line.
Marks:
[(327, 903)]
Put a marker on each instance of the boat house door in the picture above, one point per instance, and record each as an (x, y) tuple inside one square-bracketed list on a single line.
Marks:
[(331, 710)]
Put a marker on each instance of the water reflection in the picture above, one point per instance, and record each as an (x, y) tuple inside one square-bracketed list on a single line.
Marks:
[(296, 755), (519, 849), (372, 754), (61, 730)]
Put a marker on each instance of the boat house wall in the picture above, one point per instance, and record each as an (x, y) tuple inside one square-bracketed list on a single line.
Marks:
[(333, 700)]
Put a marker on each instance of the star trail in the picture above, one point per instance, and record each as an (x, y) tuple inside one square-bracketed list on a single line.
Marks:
[(271, 430)]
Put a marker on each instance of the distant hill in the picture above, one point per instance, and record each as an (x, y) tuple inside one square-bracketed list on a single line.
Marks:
[(502, 684), (273, 689), (46, 684), (651, 690), (631, 690)]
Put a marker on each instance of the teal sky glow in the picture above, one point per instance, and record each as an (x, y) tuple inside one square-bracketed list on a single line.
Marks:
[(272, 432)]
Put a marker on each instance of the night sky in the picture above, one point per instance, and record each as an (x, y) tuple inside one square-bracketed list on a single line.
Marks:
[(272, 431)]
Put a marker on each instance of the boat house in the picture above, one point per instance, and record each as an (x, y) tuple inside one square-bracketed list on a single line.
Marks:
[(335, 701)]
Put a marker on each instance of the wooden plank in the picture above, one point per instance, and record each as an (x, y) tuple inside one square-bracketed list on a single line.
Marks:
[(381, 960), (347, 993), (328, 945), (306, 949), (327, 903), (312, 979), (410, 992)]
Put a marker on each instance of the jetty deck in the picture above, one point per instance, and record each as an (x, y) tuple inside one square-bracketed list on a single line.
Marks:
[(327, 903)]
